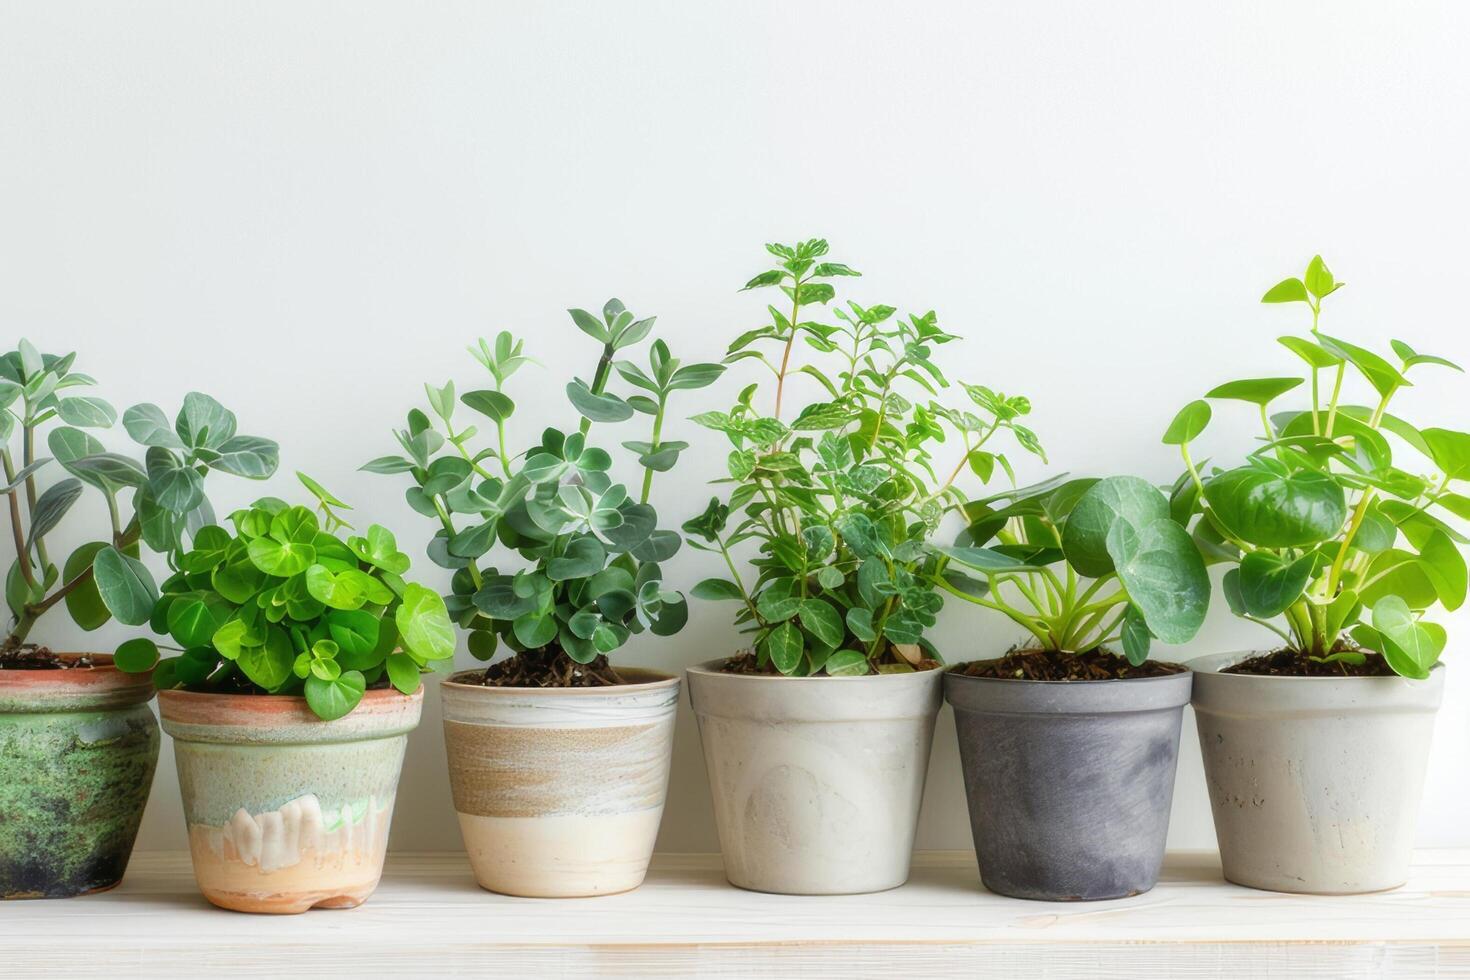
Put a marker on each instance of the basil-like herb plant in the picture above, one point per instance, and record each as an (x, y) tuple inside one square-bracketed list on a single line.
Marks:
[(1082, 564), (1335, 545), (589, 547), (284, 605), (842, 496), (159, 502)]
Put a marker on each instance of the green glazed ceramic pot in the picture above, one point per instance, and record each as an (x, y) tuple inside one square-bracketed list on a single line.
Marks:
[(77, 751)]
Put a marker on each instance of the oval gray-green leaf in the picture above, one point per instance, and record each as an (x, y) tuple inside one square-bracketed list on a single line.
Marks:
[(1120, 499)]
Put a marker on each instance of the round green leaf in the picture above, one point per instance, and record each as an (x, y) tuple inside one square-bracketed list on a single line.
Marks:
[(84, 603), (822, 620), (136, 656), (126, 587), (784, 646), (1269, 584), (1165, 577), (1273, 511), (424, 626), (1117, 500), (331, 700), (1188, 424)]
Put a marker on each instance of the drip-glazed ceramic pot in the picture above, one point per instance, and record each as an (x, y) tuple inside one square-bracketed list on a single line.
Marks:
[(560, 790), (78, 747), (287, 812)]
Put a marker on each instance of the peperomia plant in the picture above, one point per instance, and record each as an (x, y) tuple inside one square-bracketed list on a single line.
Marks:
[(589, 548), (283, 605), (843, 497), (103, 579), (1083, 564), (1334, 546)]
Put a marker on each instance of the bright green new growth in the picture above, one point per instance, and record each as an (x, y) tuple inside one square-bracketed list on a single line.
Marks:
[(1327, 537), (104, 579), (593, 547), (1148, 579), (843, 498), (285, 606)]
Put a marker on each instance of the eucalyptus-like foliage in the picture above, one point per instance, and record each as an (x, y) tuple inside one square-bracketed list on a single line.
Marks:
[(1083, 564), (590, 549), (162, 496), (1331, 536), (285, 606), (843, 495)]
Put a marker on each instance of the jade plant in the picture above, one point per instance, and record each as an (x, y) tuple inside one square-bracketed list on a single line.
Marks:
[(584, 550), (158, 501), (1082, 565), (283, 604), (1337, 539), (842, 496)]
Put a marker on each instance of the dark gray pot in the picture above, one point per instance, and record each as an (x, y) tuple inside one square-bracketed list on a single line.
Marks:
[(1069, 782)]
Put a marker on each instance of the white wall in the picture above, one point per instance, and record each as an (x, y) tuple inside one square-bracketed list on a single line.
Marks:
[(308, 209)]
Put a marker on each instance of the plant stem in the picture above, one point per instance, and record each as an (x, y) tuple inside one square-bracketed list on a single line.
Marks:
[(658, 424), (786, 354), (599, 380)]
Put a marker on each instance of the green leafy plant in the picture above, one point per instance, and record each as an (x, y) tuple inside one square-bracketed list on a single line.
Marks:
[(1082, 564), (590, 549), (1334, 543), (842, 498), (285, 606), (104, 579)]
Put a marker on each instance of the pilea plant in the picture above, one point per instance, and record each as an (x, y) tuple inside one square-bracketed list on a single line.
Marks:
[(102, 579), (1081, 565), (285, 606), (591, 546), (843, 495), (1332, 544)]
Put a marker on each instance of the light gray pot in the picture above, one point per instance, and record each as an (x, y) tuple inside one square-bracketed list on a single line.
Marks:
[(816, 780), (1314, 781), (1069, 782)]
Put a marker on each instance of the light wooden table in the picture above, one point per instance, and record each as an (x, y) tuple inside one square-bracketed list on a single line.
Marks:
[(429, 919)]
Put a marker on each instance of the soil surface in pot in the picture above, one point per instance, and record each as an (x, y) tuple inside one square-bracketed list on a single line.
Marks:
[(1294, 663), (749, 663), (548, 667), (1053, 665), (29, 656)]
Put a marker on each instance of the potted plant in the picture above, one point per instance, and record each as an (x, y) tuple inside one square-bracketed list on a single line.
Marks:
[(1338, 532), (290, 700), (1069, 749), (558, 759), (817, 737), (78, 743)]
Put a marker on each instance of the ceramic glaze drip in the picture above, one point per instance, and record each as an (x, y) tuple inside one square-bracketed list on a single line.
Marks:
[(283, 838)]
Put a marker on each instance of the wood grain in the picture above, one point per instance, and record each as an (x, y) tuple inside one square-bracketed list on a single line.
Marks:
[(429, 918)]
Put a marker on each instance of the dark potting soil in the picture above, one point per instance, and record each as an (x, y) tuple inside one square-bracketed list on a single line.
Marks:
[(1053, 665), (1294, 663), (749, 663), (548, 667), (29, 656)]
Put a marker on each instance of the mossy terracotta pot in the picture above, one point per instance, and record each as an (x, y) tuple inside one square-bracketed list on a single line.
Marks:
[(1069, 782), (77, 751), (287, 812), (816, 781), (1314, 782), (560, 790)]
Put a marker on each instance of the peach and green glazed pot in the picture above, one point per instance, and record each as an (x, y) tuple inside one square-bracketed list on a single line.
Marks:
[(560, 790), (77, 751), (287, 812)]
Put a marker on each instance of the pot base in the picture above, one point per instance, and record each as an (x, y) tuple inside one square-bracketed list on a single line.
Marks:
[(565, 856), (293, 904), (1294, 887)]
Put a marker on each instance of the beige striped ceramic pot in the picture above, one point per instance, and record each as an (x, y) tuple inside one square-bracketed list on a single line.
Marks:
[(560, 791)]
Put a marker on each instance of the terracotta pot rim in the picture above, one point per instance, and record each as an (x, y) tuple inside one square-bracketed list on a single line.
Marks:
[(101, 686), (710, 668), (368, 697), (657, 679), (1214, 664)]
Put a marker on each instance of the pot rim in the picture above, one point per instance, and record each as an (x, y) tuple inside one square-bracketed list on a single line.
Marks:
[(1214, 664), (656, 679), (709, 668), (373, 696), (57, 689), (1020, 681), (284, 719)]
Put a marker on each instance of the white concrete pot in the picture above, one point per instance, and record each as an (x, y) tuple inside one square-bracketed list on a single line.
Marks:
[(560, 790), (816, 781), (1314, 781)]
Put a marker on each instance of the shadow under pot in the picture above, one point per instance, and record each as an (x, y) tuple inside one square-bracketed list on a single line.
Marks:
[(560, 790), (816, 781), (1069, 783), (1315, 782), (286, 812), (78, 747)]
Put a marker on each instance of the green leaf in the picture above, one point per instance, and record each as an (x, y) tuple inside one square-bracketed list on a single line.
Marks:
[(1120, 499), (1165, 577), (1318, 280), (1449, 449), (252, 457), (590, 325), (822, 620), (1411, 646), (1383, 376), (860, 622), (492, 404), (1291, 290), (192, 622), (692, 376), (281, 559), (1188, 424), (269, 665), (380, 549), (1310, 352), (858, 532), (136, 656), (424, 625), (830, 577), (598, 408), (337, 591), (1412, 357), (86, 411), (147, 425), (1445, 567), (1270, 583), (176, 487), (847, 663), (50, 508), (126, 587), (204, 422), (1135, 636), (716, 588), (583, 558), (1275, 511), (84, 603), (1257, 391), (331, 700), (784, 647), (534, 629), (403, 672), (355, 631)]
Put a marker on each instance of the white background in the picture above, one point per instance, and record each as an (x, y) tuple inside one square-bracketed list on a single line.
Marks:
[(309, 209)]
